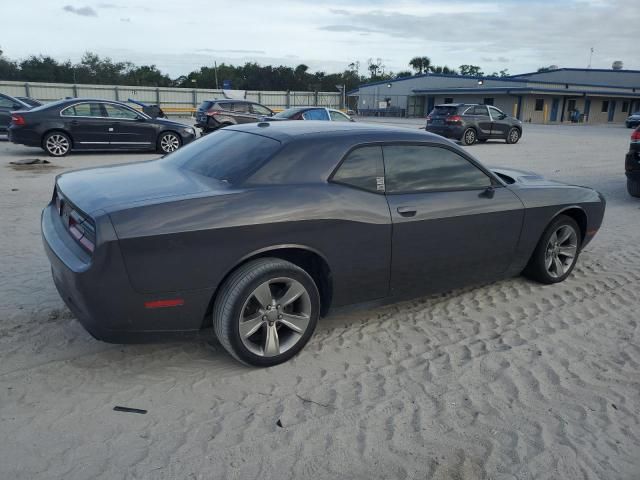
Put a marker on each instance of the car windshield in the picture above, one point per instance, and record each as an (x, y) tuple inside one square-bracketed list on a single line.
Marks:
[(226, 155), (288, 113), (444, 111)]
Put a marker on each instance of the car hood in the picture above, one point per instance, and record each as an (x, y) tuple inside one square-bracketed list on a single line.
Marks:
[(129, 185), (169, 123), (513, 175)]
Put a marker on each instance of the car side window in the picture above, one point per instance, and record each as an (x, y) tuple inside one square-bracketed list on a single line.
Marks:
[(6, 103), (495, 113), (337, 116), (260, 110), (83, 110), (241, 107), (116, 111), (420, 168), (316, 114), (480, 110), (228, 106), (362, 168)]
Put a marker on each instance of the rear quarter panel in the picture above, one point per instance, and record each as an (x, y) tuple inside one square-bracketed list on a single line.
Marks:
[(193, 244)]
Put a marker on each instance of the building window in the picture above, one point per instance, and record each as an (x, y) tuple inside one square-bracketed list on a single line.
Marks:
[(571, 106), (605, 106), (488, 101), (448, 100), (625, 107), (539, 104)]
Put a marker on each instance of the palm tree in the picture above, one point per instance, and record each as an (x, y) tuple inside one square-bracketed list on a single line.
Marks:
[(420, 64)]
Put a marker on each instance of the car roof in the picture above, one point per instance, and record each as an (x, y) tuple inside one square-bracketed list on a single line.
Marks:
[(288, 131)]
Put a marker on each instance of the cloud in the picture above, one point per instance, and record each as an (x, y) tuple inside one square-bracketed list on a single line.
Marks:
[(107, 5), (347, 28), (125, 20), (82, 11), (213, 50)]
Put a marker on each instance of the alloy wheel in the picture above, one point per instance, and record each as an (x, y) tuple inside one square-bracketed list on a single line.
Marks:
[(275, 316), (469, 137), (561, 251), (513, 135), (169, 143), (57, 144)]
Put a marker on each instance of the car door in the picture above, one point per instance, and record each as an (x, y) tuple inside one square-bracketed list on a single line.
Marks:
[(129, 129), (242, 113), (500, 123), (88, 125), (453, 223), (482, 120)]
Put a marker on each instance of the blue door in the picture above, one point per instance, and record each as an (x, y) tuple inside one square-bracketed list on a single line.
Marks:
[(554, 109), (587, 107), (612, 110)]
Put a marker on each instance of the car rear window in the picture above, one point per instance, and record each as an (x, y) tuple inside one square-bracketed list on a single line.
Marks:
[(442, 111), (206, 105), (226, 155)]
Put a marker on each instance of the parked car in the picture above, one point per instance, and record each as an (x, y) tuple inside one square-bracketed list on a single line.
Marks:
[(87, 124), (632, 164), (633, 120), (312, 113), (32, 102), (9, 104), (261, 229), (472, 123), (214, 114)]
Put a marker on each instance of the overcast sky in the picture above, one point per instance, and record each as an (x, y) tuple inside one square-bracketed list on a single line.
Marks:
[(179, 36)]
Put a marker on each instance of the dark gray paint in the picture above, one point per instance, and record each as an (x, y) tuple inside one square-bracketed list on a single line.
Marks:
[(166, 233)]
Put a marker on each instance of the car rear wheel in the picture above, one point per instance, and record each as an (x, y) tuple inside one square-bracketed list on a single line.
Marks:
[(556, 253), (169, 142), (266, 312), (633, 187), (56, 144), (469, 136), (513, 135)]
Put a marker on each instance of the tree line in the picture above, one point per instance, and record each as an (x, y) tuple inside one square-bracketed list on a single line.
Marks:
[(93, 69)]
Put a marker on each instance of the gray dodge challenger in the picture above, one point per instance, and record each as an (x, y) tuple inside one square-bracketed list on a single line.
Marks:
[(261, 229)]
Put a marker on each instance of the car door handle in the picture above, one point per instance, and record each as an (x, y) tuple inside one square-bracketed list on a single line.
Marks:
[(407, 211)]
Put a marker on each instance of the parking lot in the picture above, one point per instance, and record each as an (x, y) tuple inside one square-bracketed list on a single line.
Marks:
[(512, 380)]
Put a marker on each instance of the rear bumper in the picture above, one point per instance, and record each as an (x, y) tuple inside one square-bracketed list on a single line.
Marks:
[(632, 163), (98, 291), (447, 131), (24, 136)]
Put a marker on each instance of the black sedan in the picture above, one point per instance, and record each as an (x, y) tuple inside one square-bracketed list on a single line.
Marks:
[(261, 229), (86, 124)]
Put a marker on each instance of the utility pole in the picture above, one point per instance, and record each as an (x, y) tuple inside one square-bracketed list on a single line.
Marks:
[(215, 71), (590, 57)]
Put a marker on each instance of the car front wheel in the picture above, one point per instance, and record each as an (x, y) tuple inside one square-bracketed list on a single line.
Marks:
[(513, 135), (56, 144), (169, 142), (633, 187), (266, 312), (469, 136), (556, 253)]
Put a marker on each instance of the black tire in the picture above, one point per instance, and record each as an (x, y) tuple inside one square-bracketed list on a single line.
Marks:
[(469, 136), (633, 187), (513, 135), (238, 289), (56, 144), (168, 142), (537, 269)]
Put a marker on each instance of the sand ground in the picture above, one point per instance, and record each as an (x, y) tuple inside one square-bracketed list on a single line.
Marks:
[(512, 380)]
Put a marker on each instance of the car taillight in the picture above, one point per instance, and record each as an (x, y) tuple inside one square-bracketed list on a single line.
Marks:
[(80, 227), (454, 119), (17, 119), (635, 136)]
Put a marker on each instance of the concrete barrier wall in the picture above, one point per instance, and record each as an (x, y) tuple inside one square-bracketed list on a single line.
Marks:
[(168, 98)]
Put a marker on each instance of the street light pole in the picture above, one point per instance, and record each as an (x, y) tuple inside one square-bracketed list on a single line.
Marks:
[(215, 71)]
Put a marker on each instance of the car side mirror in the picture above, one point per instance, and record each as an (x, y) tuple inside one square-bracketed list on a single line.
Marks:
[(17, 107), (140, 119), (503, 116)]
